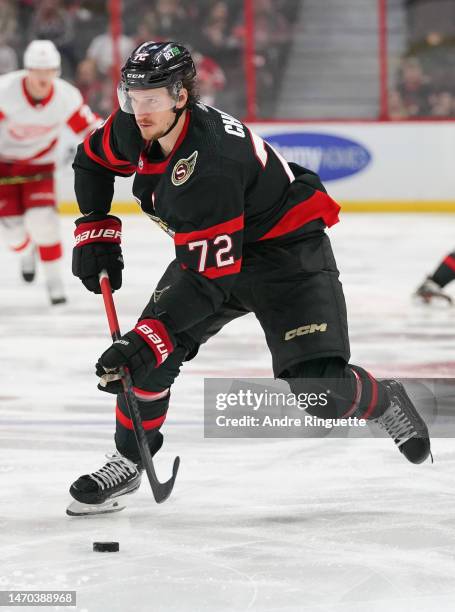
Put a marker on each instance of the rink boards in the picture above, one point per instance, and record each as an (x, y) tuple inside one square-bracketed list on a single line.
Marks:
[(366, 166)]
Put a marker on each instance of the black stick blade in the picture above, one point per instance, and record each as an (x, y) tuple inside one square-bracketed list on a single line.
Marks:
[(163, 491)]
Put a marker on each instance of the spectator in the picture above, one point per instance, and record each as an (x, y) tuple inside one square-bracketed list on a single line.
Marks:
[(442, 104), (215, 39), (270, 27), (215, 28), (147, 29), (397, 108), (101, 51), (272, 32), (211, 78), (51, 21), (89, 83), (8, 22), (414, 88), (8, 59), (170, 20)]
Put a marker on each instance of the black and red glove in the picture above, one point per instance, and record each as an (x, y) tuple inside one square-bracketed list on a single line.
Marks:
[(97, 248), (141, 350)]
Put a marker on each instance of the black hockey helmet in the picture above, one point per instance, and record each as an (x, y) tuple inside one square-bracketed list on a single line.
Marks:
[(152, 65), (157, 64)]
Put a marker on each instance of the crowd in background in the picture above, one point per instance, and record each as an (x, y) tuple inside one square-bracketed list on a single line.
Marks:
[(425, 83), (214, 31)]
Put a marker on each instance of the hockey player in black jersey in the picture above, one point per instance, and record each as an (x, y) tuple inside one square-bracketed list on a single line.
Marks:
[(248, 230)]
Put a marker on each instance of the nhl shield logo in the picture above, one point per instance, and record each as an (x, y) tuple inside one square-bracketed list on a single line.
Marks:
[(183, 169)]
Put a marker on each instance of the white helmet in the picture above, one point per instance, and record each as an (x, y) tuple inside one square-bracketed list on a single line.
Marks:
[(42, 54)]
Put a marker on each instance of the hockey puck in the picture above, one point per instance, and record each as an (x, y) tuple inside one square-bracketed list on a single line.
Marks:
[(106, 546)]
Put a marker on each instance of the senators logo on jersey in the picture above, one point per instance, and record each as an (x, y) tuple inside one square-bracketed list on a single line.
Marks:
[(183, 169)]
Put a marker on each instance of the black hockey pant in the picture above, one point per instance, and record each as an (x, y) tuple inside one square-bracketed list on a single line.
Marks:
[(297, 298)]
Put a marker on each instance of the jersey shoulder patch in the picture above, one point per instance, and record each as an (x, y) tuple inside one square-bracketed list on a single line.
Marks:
[(183, 169)]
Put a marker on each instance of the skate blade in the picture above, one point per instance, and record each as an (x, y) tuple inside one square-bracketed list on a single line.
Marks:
[(78, 509), (437, 302)]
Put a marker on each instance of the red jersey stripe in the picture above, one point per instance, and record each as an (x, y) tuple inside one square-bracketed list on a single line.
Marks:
[(93, 156), (449, 262), (115, 161), (228, 227), (224, 271), (319, 205), (79, 120)]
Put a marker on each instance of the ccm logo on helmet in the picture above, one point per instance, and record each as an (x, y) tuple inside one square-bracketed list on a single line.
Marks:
[(305, 329), (155, 339), (134, 75), (96, 234)]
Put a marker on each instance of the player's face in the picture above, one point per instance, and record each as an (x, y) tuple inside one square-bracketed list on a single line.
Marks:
[(153, 110), (40, 81)]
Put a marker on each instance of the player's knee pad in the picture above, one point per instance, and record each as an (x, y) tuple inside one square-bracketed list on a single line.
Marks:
[(43, 225), (13, 232)]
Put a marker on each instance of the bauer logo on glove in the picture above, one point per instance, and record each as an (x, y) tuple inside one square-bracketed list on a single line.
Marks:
[(140, 350), (98, 235), (157, 342), (97, 248)]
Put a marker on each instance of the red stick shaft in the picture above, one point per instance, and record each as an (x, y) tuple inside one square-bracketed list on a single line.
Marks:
[(111, 313)]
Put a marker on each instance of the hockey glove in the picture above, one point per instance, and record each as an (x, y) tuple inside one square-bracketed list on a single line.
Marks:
[(141, 350), (98, 248)]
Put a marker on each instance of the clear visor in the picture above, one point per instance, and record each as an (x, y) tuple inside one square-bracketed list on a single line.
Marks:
[(144, 101)]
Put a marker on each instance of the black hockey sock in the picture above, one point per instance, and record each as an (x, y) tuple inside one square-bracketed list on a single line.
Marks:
[(445, 273), (153, 412), (371, 399), (353, 391)]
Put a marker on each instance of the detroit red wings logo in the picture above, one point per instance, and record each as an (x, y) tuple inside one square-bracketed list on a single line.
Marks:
[(183, 169), (28, 132)]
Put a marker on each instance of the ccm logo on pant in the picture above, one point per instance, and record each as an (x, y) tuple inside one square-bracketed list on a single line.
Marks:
[(109, 234), (305, 329), (155, 339)]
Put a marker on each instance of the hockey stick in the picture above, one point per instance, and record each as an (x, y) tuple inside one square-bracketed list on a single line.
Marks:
[(20, 180), (161, 490)]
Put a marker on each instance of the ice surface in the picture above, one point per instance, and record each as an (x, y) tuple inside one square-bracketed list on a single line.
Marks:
[(260, 525)]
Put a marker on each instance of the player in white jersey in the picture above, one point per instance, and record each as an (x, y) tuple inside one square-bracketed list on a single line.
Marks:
[(35, 106)]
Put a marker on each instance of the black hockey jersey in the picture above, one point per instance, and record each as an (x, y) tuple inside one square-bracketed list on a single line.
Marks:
[(221, 189)]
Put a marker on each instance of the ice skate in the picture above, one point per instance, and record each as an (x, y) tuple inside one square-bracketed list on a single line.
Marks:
[(28, 266), (404, 425), (104, 491), (56, 292), (429, 291)]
